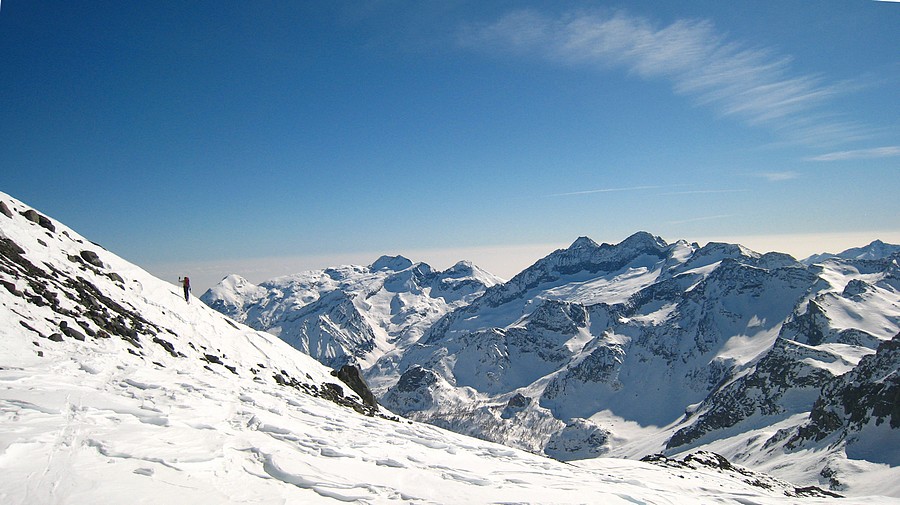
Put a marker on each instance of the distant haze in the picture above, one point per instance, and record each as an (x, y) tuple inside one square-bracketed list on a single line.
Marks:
[(503, 261)]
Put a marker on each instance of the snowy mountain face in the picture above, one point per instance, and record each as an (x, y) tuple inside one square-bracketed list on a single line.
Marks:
[(113, 389), (646, 347), (351, 314), (874, 251)]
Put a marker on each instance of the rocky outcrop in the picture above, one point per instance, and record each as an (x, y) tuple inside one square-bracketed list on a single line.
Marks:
[(579, 439), (787, 368), (863, 399), (39, 219), (351, 376), (706, 460), (414, 391)]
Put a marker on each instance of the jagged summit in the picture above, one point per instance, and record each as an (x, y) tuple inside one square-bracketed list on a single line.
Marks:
[(393, 263), (463, 266), (583, 243), (643, 240), (727, 250), (583, 258)]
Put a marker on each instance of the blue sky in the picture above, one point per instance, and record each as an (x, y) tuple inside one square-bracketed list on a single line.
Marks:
[(265, 138)]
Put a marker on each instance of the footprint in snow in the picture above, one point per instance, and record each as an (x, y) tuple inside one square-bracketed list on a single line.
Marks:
[(478, 481), (392, 463), (329, 452)]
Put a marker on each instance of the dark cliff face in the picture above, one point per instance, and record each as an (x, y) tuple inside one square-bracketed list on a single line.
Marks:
[(784, 369), (868, 395)]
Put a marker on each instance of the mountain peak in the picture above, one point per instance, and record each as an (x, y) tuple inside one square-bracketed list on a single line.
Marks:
[(583, 243), (644, 240), (394, 263)]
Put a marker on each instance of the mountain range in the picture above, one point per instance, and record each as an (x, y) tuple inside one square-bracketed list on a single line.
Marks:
[(115, 389), (624, 350)]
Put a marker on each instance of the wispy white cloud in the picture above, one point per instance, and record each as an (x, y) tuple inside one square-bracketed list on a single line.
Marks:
[(705, 192), (777, 176), (751, 84), (607, 190), (698, 219), (647, 188), (859, 154)]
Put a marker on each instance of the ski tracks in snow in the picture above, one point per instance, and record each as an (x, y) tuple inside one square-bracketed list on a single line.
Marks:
[(53, 483)]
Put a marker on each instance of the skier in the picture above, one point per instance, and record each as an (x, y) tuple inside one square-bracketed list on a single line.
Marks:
[(186, 283)]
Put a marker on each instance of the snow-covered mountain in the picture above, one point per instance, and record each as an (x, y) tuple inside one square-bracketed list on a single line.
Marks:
[(113, 389), (874, 251), (351, 314), (646, 347)]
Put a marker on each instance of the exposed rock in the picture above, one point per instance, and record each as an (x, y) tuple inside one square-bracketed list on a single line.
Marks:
[(39, 219), (710, 460), (810, 327), (212, 358), (518, 401), (855, 287), (351, 376), (5, 210), (785, 368), (416, 390), (10, 287), (867, 396), (168, 346), (415, 378), (71, 332), (559, 316), (395, 263), (580, 439), (92, 258)]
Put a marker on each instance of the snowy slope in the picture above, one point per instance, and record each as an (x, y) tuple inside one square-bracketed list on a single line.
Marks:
[(113, 389)]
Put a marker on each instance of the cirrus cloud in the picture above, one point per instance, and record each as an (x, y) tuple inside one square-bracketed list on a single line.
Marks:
[(752, 84), (859, 154)]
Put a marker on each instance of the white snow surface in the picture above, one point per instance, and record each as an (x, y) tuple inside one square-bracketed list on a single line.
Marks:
[(101, 420)]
